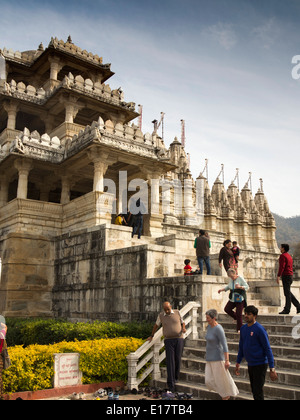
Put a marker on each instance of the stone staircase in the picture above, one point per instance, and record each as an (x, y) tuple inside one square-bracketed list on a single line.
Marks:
[(259, 301), (285, 348)]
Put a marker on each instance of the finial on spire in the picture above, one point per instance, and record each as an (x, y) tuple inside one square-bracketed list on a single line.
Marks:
[(237, 178), (189, 160), (221, 173), (140, 118), (204, 170), (182, 133), (261, 185), (249, 182), (158, 124)]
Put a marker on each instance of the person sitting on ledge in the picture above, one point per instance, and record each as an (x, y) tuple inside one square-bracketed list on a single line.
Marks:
[(187, 268)]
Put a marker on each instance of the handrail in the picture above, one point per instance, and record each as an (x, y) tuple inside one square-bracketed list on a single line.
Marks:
[(134, 362)]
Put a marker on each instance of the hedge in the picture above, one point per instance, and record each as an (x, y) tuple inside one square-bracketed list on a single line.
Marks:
[(101, 360), (50, 331)]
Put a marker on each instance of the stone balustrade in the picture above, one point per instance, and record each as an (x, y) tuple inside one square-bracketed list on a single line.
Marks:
[(25, 92), (123, 136), (17, 55), (101, 91)]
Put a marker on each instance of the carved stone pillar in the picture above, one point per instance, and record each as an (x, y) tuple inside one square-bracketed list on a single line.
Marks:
[(11, 109), (71, 108), (153, 220), (168, 205), (55, 67), (155, 197), (65, 190), (100, 167), (188, 205), (71, 112), (101, 160), (4, 190), (23, 167)]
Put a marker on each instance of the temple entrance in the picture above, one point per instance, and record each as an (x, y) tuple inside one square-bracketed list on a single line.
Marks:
[(131, 193)]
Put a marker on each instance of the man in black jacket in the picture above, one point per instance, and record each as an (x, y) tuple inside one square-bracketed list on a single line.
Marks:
[(201, 245)]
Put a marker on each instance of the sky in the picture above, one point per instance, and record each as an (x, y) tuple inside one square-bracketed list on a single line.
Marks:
[(223, 66)]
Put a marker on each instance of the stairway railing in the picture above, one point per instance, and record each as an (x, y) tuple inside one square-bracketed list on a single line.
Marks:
[(150, 351)]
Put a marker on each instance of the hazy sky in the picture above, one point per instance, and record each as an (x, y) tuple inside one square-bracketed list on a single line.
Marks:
[(224, 66)]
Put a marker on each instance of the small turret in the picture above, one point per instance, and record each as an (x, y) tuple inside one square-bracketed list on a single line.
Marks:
[(217, 191)]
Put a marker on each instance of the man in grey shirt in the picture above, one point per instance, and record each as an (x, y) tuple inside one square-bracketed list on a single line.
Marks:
[(173, 330)]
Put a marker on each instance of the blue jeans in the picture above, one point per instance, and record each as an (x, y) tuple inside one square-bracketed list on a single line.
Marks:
[(207, 263)]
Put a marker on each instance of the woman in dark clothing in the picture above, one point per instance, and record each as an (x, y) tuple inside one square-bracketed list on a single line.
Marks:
[(227, 256)]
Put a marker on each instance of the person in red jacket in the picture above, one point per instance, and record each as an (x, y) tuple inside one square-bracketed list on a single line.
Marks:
[(187, 268), (286, 273)]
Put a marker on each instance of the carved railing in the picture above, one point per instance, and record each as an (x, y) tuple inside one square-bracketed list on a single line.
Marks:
[(150, 351)]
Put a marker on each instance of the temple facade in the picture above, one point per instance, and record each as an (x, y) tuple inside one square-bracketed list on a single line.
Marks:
[(71, 159)]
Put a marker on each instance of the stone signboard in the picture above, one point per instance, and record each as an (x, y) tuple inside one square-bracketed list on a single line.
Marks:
[(66, 370)]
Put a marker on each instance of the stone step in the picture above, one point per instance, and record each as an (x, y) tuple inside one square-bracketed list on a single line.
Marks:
[(270, 328), (259, 302), (284, 340), (291, 363), (280, 329), (285, 376), (265, 307), (266, 318), (272, 390), (255, 295), (278, 350), (275, 339), (254, 298)]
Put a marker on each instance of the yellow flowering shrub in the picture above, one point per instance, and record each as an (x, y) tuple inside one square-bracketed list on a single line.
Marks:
[(101, 360)]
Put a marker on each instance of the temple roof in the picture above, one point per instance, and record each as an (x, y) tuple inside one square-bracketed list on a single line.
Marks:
[(36, 59)]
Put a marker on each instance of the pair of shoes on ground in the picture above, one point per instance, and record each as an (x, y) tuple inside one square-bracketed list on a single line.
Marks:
[(80, 396), (100, 393), (169, 395), (176, 395), (109, 392), (184, 396), (113, 396)]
